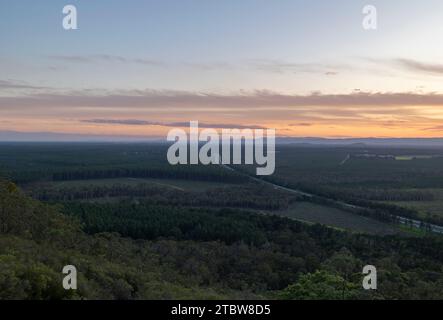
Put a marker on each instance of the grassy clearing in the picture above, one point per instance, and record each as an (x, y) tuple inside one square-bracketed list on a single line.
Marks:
[(315, 213), (414, 231), (414, 157)]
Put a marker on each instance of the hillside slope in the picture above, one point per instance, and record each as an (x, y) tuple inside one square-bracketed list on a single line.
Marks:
[(227, 254)]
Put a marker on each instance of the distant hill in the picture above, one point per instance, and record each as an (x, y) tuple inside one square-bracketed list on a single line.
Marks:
[(14, 136), (362, 142)]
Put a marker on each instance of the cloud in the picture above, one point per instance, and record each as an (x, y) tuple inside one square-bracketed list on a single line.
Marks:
[(279, 66), (99, 58), (265, 65), (106, 58), (131, 122), (9, 84), (214, 65), (436, 128), (410, 65), (258, 107), (135, 122), (252, 100), (302, 124), (414, 65)]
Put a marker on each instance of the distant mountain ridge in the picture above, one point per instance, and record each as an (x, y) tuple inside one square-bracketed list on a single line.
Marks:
[(359, 142), (15, 136)]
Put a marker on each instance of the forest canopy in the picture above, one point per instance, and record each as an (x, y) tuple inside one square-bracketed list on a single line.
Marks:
[(212, 253)]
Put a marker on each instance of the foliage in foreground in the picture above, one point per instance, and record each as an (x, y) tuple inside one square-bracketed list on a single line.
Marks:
[(275, 257)]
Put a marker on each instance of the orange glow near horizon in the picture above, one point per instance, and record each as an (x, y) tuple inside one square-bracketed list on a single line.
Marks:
[(331, 129)]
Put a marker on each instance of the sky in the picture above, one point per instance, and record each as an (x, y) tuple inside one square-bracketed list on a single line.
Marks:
[(140, 68)]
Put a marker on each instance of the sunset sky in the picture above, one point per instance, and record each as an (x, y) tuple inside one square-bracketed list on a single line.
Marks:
[(139, 68)]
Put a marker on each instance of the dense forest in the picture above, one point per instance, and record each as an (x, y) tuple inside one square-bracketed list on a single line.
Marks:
[(137, 228), (135, 251), (246, 196)]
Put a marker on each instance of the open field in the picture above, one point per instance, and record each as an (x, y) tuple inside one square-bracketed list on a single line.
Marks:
[(315, 213)]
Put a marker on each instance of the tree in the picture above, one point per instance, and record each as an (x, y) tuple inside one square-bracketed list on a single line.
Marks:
[(320, 285)]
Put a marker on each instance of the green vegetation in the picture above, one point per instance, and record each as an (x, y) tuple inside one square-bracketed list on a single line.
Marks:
[(136, 228), (182, 185), (268, 255), (317, 213), (320, 285), (365, 181), (428, 208)]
